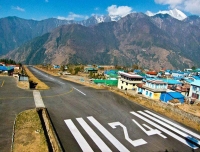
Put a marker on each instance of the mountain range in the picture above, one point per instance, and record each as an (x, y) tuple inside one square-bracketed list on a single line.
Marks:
[(158, 41)]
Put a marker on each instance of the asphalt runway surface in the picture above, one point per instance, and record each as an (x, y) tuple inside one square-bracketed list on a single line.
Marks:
[(13, 100), (86, 119)]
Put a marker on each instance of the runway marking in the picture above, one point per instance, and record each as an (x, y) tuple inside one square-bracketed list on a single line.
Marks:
[(102, 146), (165, 130), (173, 124), (187, 136), (151, 131), (160, 134), (108, 135), (161, 125), (135, 143), (2, 83), (79, 91), (38, 99), (78, 136)]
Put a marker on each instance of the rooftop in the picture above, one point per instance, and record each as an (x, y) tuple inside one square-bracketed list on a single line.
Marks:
[(196, 83), (156, 81), (130, 75)]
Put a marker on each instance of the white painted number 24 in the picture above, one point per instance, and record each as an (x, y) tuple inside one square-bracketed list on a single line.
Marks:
[(137, 142)]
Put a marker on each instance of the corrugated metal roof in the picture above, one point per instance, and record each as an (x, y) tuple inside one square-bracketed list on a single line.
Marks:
[(5, 68), (171, 81), (157, 81), (175, 95), (130, 75), (196, 83)]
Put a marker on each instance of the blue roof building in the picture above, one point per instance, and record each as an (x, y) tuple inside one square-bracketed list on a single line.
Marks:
[(136, 71), (167, 96), (172, 81), (8, 69)]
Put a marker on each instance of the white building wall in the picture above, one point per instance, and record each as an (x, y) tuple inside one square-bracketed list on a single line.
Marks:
[(195, 91), (126, 85)]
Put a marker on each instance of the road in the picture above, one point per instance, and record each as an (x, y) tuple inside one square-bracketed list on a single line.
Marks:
[(13, 100), (86, 119)]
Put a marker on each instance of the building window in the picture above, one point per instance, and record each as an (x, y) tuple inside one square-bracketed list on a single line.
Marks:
[(122, 87), (133, 84), (126, 83), (147, 93)]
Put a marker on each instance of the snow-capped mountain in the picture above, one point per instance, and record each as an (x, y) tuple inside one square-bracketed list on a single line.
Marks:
[(175, 13), (106, 18), (102, 18)]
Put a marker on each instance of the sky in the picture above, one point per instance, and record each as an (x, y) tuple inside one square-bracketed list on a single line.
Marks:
[(83, 9)]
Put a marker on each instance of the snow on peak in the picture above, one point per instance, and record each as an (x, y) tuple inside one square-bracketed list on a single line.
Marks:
[(101, 18), (175, 13)]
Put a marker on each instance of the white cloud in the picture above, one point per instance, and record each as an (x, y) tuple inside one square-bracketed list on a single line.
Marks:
[(47, 1), (121, 11), (172, 3), (191, 6), (18, 8), (73, 16)]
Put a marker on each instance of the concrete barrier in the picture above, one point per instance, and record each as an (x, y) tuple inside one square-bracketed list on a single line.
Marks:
[(51, 133)]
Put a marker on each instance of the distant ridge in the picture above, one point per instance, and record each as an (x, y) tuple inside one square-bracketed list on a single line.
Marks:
[(152, 42)]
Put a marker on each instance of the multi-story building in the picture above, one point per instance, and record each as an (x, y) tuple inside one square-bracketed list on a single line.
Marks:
[(128, 81), (153, 88)]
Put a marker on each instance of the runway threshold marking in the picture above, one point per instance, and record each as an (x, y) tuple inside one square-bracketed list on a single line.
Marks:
[(108, 135), (170, 127), (165, 130), (173, 124), (98, 141), (78, 136), (2, 83), (79, 91), (162, 127), (38, 99)]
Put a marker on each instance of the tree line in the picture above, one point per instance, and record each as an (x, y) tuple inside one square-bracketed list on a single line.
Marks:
[(9, 61)]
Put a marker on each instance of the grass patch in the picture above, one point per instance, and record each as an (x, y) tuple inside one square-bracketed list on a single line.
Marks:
[(40, 84), (29, 135)]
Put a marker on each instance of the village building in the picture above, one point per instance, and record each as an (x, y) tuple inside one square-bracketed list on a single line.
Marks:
[(152, 88), (195, 90), (128, 81)]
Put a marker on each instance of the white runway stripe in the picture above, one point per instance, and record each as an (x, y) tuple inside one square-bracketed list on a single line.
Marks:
[(187, 136), (38, 99), (79, 91), (173, 124), (78, 136), (102, 146), (108, 135), (164, 130)]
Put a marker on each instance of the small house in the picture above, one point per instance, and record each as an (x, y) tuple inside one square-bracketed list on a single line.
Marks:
[(56, 66), (90, 69), (169, 96)]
